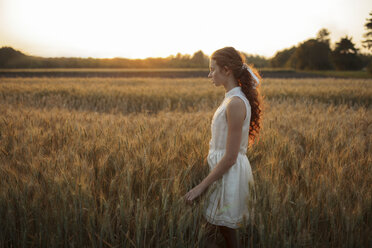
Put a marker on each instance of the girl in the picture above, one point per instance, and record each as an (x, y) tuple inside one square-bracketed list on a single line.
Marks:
[(235, 121)]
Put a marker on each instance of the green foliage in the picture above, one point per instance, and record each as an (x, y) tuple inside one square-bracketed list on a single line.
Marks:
[(316, 54), (282, 57), (345, 55), (200, 60), (323, 36), (367, 43), (257, 60), (10, 58), (346, 46), (8, 54), (369, 67), (312, 55)]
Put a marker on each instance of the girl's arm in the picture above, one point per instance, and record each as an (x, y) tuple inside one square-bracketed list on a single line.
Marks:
[(235, 112)]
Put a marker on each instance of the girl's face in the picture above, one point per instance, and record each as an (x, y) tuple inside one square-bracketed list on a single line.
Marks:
[(216, 73)]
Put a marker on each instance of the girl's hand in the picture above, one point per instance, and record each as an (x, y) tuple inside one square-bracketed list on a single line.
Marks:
[(194, 193)]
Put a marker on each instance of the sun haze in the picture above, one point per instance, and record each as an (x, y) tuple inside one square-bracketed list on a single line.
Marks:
[(140, 29)]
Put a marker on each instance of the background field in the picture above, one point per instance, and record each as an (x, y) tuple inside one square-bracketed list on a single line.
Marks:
[(174, 73), (104, 162)]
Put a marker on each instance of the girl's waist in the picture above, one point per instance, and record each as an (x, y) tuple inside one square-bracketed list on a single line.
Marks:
[(242, 151)]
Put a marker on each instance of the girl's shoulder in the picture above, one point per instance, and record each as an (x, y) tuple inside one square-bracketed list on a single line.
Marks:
[(238, 98), (236, 104)]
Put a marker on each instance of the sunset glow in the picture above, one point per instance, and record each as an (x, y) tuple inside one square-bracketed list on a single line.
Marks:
[(140, 29)]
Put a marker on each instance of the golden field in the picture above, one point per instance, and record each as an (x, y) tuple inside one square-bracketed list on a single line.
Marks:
[(105, 162)]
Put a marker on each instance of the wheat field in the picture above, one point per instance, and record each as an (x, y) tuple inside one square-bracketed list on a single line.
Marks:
[(105, 162)]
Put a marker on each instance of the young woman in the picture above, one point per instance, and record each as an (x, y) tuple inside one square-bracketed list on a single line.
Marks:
[(235, 123)]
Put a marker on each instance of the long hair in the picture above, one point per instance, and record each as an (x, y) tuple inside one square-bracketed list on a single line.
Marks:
[(234, 60)]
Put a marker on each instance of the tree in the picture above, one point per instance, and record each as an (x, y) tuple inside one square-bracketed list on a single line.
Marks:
[(346, 46), (345, 56), (257, 60), (367, 43), (312, 55), (323, 36), (199, 59), (9, 57), (281, 57)]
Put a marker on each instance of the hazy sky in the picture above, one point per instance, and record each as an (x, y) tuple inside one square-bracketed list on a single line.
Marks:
[(159, 28)]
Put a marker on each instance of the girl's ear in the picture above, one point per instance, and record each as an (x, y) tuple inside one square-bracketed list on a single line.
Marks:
[(226, 70)]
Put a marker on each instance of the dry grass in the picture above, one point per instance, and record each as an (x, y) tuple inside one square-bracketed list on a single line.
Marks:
[(105, 163)]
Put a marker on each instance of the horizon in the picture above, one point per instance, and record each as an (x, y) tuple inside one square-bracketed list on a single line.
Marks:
[(171, 55), (144, 29)]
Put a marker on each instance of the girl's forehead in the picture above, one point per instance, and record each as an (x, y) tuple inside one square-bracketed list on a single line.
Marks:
[(212, 63)]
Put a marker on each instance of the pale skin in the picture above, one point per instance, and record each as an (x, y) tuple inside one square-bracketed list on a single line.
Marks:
[(235, 114)]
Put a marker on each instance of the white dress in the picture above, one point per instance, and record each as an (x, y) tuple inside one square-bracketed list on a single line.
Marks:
[(227, 203)]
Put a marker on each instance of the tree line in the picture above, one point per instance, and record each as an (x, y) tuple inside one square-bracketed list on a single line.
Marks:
[(312, 54), (11, 58), (317, 54)]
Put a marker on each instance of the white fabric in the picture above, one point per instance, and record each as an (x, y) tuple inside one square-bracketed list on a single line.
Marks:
[(227, 204), (245, 66)]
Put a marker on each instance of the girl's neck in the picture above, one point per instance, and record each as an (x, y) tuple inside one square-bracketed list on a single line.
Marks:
[(230, 84)]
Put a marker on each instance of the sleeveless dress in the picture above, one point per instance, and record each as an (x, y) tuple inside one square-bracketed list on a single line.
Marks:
[(227, 201)]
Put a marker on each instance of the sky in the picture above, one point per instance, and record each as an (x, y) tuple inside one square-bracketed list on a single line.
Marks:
[(159, 28)]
